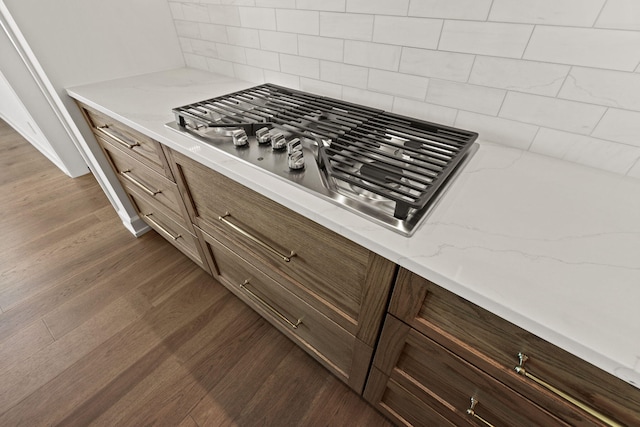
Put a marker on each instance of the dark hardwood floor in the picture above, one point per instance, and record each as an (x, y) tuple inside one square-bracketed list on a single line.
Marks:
[(100, 328)]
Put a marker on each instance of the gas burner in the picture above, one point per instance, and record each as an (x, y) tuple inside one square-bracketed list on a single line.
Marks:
[(388, 168)]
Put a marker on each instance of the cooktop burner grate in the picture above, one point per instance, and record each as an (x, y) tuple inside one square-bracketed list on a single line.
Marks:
[(379, 160)]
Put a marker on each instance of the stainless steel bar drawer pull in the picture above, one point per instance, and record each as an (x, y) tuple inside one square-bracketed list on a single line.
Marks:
[(225, 221), (522, 359), (472, 412), (161, 228), (125, 175), (269, 307), (102, 130)]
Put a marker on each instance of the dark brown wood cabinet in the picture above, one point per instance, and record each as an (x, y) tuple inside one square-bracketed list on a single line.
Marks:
[(141, 165), (297, 262), (441, 350), (439, 359)]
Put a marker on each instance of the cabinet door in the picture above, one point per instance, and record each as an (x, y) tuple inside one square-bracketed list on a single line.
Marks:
[(339, 278), (493, 344), (424, 371)]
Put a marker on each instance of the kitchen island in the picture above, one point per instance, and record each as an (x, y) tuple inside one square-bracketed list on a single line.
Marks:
[(547, 245)]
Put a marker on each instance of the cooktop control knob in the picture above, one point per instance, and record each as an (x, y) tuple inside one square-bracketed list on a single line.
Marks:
[(278, 141), (262, 135), (240, 138), (295, 160), (294, 145)]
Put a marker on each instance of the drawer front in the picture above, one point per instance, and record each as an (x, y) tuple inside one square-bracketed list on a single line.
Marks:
[(176, 232), (446, 382), (141, 147), (136, 176), (323, 339), (327, 267), (484, 339), (401, 406)]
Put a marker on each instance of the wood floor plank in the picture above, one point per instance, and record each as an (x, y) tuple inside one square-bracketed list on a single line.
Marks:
[(27, 341), (60, 291), (77, 310), (32, 373), (51, 402)]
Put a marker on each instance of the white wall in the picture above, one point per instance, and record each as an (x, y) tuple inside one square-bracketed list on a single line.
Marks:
[(13, 111), (558, 77), (73, 42)]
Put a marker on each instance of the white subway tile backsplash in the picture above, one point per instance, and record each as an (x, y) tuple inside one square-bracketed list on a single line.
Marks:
[(298, 21), (187, 29), (485, 38), (213, 32), (233, 2), (326, 5), (263, 58), (603, 87), (499, 130), (620, 14), (289, 4), (348, 26), (282, 79), (379, 7), (224, 14), (551, 112), (321, 88), (195, 12), (620, 126), (424, 111), (477, 10), (618, 158), (321, 47), (231, 53), (368, 98), (248, 73), (256, 17), (565, 72), (523, 76), (195, 61), (373, 55), (464, 96), (279, 42), (612, 49), (437, 64), (416, 32), (580, 13), (247, 37), (348, 75), (293, 64), (404, 85), (220, 66), (204, 48), (185, 45)]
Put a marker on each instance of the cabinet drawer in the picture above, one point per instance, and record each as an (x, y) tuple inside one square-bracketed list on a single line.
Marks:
[(136, 176), (401, 406), (327, 342), (141, 147), (176, 232), (444, 381), (493, 344), (344, 280)]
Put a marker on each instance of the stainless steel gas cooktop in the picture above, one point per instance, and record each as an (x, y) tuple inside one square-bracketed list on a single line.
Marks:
[(389, 168)]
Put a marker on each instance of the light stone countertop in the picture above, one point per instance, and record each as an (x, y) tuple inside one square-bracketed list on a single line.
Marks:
[(551, 246)]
